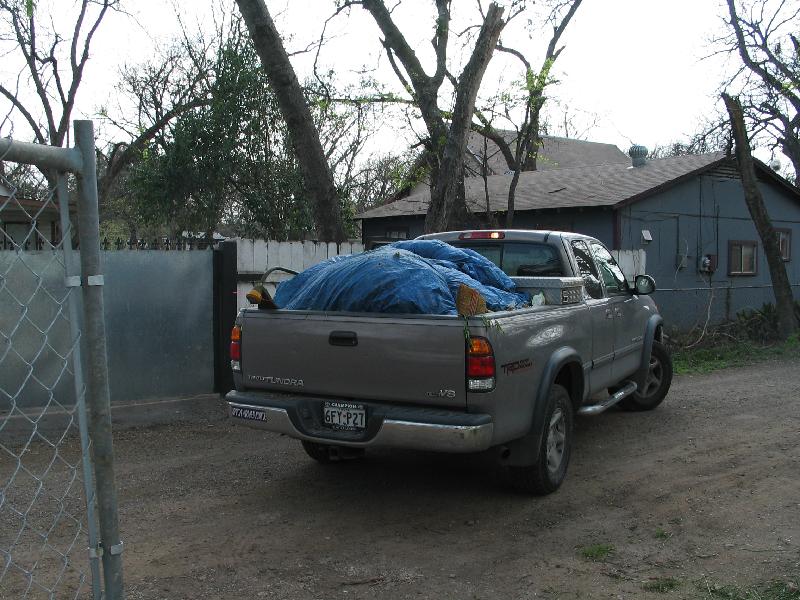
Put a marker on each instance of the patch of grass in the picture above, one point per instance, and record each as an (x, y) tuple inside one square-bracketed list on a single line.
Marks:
[(777, 590), (661, 534), (661, 585), (597, 551), (730, 354)]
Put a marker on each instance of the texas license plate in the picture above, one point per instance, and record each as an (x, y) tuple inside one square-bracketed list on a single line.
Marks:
[(344, 415)]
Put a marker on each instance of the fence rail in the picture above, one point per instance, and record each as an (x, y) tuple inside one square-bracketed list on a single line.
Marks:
[(159, 244)]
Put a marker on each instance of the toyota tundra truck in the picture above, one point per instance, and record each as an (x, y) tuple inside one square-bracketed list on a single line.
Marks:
[(508, 382)]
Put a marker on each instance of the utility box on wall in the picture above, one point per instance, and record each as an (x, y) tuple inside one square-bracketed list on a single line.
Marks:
[(707, 263)]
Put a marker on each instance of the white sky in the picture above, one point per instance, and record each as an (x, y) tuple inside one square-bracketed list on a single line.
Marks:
[(634, 64)]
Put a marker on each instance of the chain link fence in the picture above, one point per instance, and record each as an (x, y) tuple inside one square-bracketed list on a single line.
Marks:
[(53, 530)]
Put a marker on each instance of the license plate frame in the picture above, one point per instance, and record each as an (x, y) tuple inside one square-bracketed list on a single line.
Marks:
[(249, 414), (344, 416)]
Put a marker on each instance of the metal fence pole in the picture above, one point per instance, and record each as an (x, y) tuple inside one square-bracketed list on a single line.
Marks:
[(72, 271), (97, 388)]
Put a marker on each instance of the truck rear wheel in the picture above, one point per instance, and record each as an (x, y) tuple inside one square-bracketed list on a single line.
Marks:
[(656, 384), (549, 471), (326, 453)]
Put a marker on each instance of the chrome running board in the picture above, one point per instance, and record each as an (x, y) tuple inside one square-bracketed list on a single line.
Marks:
[(596, 409)]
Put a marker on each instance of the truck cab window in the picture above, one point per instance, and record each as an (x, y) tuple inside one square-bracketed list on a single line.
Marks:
[(521, 259), (613, 276), (587, 268)]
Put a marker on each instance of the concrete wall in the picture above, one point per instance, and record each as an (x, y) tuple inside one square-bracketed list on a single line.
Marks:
[(696, 218), (159, 310)]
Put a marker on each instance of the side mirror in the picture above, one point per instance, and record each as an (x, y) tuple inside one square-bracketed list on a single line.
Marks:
[(644, 285)]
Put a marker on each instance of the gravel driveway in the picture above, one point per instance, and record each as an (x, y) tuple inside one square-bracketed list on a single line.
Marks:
[(704, 490)]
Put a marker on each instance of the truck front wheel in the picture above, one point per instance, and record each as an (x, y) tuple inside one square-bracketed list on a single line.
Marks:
[(550, 469), (656, 383)]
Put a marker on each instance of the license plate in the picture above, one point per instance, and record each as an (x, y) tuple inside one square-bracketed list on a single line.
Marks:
[(249, 414), (344, 415)]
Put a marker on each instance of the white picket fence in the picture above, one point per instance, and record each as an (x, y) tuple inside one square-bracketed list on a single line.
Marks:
[(253, 257), (256, 256)]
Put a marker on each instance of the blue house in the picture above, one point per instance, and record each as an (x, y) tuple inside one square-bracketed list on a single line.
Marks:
[(688, 213)]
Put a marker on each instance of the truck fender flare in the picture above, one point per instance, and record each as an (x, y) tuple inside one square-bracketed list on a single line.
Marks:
[(653, 323), (525, 450)]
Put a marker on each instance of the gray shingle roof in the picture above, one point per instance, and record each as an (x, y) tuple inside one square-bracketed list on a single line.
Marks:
[(554, 153), (583, 186)]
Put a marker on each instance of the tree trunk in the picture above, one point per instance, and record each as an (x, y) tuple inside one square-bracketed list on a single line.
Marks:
[(444, 190), (512, 190), (314, 166), (784, 300)]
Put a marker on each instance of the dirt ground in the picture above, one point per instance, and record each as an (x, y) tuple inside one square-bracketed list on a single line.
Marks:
[(704, 490)]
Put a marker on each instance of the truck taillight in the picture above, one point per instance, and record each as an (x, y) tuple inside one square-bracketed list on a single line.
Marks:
[(480, 365), (236, 348), (482, 235)]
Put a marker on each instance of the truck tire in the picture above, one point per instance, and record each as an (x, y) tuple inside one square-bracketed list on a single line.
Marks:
[(657, 382), (325, 453), (549, 471)]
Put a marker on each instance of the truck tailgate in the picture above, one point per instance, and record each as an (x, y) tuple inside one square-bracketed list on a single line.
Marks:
[(418, 359)]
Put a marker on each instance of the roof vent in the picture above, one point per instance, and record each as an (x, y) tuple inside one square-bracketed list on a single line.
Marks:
[(638, 155)]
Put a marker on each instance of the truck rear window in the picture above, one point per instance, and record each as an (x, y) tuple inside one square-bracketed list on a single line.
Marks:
[(521, 259)]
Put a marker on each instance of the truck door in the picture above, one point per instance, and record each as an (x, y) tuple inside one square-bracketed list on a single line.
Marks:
[(602, 318), (628, 338)]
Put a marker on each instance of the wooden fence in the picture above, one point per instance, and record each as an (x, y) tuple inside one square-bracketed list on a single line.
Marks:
[(253, 257)]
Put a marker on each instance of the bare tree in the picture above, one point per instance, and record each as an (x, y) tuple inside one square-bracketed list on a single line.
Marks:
[(447, 129), (305, 137), (44, 51), (521, 152), (784, 301), (762, 34)]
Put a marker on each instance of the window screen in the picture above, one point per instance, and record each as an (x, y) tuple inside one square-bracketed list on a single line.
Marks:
[(785, 243), (742, 258)]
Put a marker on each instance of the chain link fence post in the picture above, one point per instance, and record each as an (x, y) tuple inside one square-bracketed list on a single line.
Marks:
[(97, 388), (72, 280), (49, 505)]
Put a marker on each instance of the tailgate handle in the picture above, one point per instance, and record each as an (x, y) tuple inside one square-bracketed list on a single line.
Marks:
[(343, 338)]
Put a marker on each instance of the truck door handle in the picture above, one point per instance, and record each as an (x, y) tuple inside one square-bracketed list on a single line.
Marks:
[(609, 314), (343, 338)]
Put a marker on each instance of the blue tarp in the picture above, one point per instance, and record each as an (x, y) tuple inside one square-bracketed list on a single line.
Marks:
[(415, 277), (466, 260)]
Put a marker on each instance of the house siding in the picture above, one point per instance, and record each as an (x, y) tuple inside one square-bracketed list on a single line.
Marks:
[(597, 222), (376, 229), (698, 217)]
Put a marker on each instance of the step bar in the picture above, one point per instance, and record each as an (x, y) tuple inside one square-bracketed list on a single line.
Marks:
[(596, 409)]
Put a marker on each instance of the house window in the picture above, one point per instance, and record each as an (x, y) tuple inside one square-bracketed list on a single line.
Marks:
[(400, 233), (742, 258), (785, 243)]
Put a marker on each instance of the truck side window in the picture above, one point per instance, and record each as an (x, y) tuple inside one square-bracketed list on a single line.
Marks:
[(591, 279), (613, 276)]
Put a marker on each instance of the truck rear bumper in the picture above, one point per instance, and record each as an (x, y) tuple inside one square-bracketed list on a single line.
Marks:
[(389, 426)]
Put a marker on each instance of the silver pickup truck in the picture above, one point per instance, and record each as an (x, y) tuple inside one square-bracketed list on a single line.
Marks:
[(507, 381)]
